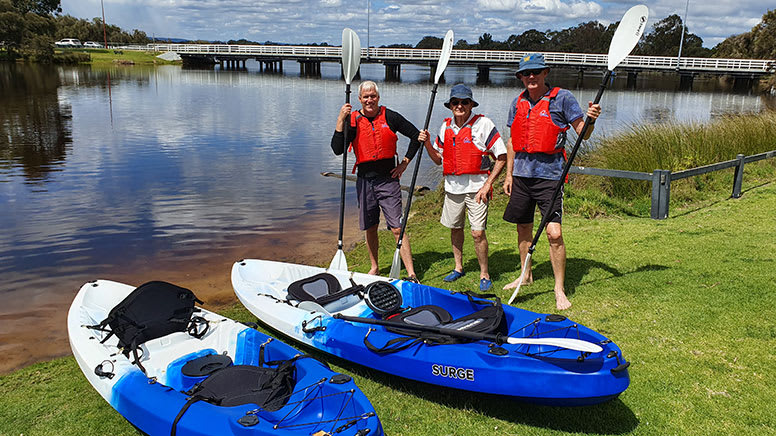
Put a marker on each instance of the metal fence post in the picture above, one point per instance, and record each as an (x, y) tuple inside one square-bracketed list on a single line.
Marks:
[(661, 192), (738, 178)]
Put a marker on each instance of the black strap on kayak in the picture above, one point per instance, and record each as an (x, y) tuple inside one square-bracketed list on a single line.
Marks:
[(488, 320)]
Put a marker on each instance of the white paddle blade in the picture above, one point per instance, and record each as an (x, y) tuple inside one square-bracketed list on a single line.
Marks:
[(351, 54), (339, 262), (627, 35), (395, 265), (568, 343), (519, 279), (444, 57)]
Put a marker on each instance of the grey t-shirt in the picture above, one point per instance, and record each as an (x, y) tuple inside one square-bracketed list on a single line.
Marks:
[(564, 109)]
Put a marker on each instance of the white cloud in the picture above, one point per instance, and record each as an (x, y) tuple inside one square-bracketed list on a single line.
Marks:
[(399, 21)]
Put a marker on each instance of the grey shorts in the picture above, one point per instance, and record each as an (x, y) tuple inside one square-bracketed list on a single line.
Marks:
[(375, 194)]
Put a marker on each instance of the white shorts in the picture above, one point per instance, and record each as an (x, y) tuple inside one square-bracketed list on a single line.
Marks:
[(457, 205)]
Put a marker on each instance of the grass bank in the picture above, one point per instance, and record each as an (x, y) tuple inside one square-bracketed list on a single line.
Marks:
[(103, 56)]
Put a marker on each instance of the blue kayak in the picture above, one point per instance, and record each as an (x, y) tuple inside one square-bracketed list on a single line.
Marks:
[(434, 335), (188, 371)]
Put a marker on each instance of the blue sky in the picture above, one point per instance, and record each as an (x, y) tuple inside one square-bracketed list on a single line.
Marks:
[(300, 21)]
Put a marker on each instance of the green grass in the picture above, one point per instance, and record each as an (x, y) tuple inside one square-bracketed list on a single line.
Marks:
[(102, 56), (690, 300)]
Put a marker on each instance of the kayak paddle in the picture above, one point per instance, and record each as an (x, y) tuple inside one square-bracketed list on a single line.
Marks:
[(444, 57), (625, 38), (568, 343), (351, 58)]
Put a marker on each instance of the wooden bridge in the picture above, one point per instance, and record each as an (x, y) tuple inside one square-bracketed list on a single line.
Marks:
[(271, 57)]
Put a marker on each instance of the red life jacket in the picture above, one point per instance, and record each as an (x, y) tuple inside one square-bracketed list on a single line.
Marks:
[(533, 130), (459, 154), (374, 140)]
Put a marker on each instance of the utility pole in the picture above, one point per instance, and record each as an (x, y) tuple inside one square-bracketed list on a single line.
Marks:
[(368, 7), (104, 34)]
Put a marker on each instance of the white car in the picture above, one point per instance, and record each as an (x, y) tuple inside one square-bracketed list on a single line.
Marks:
[(92, 44), (68, 42)]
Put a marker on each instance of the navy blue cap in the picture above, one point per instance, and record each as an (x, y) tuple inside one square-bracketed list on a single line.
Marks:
[(461, 91)]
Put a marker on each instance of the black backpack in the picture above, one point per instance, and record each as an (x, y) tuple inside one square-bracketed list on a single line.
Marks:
[(153, 310)]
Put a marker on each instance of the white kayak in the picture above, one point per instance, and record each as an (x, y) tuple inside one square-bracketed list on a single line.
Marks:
[(193, 381), (434, 335)]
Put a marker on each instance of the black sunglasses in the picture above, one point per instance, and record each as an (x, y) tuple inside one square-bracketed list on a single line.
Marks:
[(456, 102), (527, 73)]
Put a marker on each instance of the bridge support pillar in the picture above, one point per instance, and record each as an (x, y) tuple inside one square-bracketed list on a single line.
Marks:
[(310, 68), (685, 81), (270, 66), (392, 72), (483, 74), (742, 84), (580, 77), (632, 76)]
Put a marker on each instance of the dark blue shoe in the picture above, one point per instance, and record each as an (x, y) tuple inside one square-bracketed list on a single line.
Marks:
[(453, 276), (485, 284)]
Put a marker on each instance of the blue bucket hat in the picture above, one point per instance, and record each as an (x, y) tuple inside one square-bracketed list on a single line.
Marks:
[(533, 61), (462, 92)]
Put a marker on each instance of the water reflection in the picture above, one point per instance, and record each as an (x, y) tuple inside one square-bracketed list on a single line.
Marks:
[(35, 126)]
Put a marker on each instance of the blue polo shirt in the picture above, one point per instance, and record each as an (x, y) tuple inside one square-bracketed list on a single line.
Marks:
[(564, 109)]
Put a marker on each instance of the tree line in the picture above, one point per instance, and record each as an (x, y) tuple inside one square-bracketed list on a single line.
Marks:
[(593, 37), (29, 28)]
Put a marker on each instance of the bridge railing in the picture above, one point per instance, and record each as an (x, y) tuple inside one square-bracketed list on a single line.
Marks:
[(490, 57)]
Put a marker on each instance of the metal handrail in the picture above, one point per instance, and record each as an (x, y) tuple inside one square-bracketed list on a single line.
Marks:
[(490, 57), (661, 179)]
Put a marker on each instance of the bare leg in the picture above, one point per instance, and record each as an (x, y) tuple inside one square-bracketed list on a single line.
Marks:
[(372, 245), (405, 252), (558, 260), (524, 238), (481, 248), (456, 238)]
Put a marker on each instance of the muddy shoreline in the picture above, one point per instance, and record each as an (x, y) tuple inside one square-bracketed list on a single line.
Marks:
[(38, 332)]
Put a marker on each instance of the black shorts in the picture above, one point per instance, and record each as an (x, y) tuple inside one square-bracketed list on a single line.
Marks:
[(526, 194)]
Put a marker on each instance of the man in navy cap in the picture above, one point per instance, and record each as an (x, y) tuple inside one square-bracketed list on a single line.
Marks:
[(538, 119), (463, 148)]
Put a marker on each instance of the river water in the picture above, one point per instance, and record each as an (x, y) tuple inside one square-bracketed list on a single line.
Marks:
[(145, 173)]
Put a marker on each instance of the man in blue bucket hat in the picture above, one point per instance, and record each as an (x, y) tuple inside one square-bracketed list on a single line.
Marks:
[(463, 148), (538, 120)]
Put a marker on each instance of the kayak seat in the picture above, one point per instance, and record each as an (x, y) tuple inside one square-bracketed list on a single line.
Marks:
[(153, 310), (185, 371), (267, 387), (488, 320), (323, 289)]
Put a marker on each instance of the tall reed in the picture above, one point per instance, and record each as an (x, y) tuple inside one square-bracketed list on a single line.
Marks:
[(676, 147)]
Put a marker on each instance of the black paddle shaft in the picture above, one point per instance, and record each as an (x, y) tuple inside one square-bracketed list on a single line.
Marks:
[(344, 170), (496, 338), (567, 167), (417, 166)]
